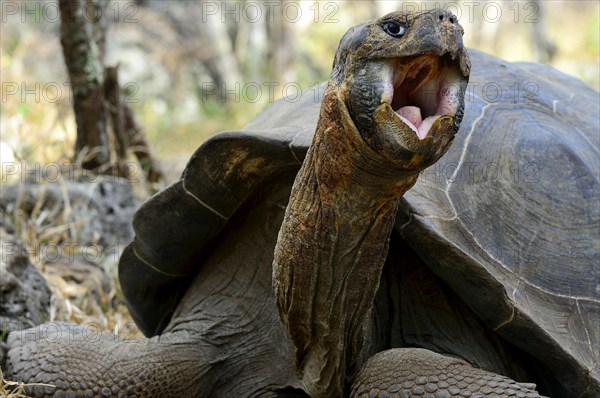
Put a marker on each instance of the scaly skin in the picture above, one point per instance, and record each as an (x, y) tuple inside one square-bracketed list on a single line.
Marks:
[(78, 362), (411, 372)]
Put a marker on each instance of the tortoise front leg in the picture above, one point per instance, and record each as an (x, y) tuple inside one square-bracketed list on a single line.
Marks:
[(408, 372), (79, 364)]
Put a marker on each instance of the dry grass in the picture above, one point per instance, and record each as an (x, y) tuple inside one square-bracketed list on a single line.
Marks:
[(13, 389), (51, 226)]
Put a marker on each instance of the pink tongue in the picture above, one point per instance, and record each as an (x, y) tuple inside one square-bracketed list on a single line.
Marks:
[(412, 114)]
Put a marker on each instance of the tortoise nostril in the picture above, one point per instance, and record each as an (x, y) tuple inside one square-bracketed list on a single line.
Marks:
[(446, 16)]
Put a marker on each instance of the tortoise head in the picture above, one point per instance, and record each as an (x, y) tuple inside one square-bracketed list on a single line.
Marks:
[(403, 79)]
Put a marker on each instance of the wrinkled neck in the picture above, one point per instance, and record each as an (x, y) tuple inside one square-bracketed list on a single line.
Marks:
[(331, 249)]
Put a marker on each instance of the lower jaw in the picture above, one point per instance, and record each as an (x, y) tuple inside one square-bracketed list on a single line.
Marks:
[(401, 139), (421, 129)]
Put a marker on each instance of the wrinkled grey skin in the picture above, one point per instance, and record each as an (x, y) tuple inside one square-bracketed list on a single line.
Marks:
[(216, 327)]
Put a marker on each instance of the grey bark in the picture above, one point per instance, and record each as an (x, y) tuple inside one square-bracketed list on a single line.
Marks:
[(127, 132), (82, 38)]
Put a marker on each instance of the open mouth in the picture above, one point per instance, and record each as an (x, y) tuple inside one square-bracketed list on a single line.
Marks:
[(421, 89)]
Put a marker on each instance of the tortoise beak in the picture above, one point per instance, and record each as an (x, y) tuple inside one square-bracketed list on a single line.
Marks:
[(420, 90)]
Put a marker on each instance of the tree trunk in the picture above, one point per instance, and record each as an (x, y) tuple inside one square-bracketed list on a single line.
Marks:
[(112, 95), (543, 48), (82, 39), (282, 48), (127, 132)]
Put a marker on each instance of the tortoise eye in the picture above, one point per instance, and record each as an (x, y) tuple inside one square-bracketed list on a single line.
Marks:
[(394, 29)]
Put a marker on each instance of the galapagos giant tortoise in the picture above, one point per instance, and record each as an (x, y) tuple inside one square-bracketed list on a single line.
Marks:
[(484, 272)]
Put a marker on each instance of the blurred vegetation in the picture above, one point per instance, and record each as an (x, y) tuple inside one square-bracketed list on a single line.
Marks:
[(175, 56)]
